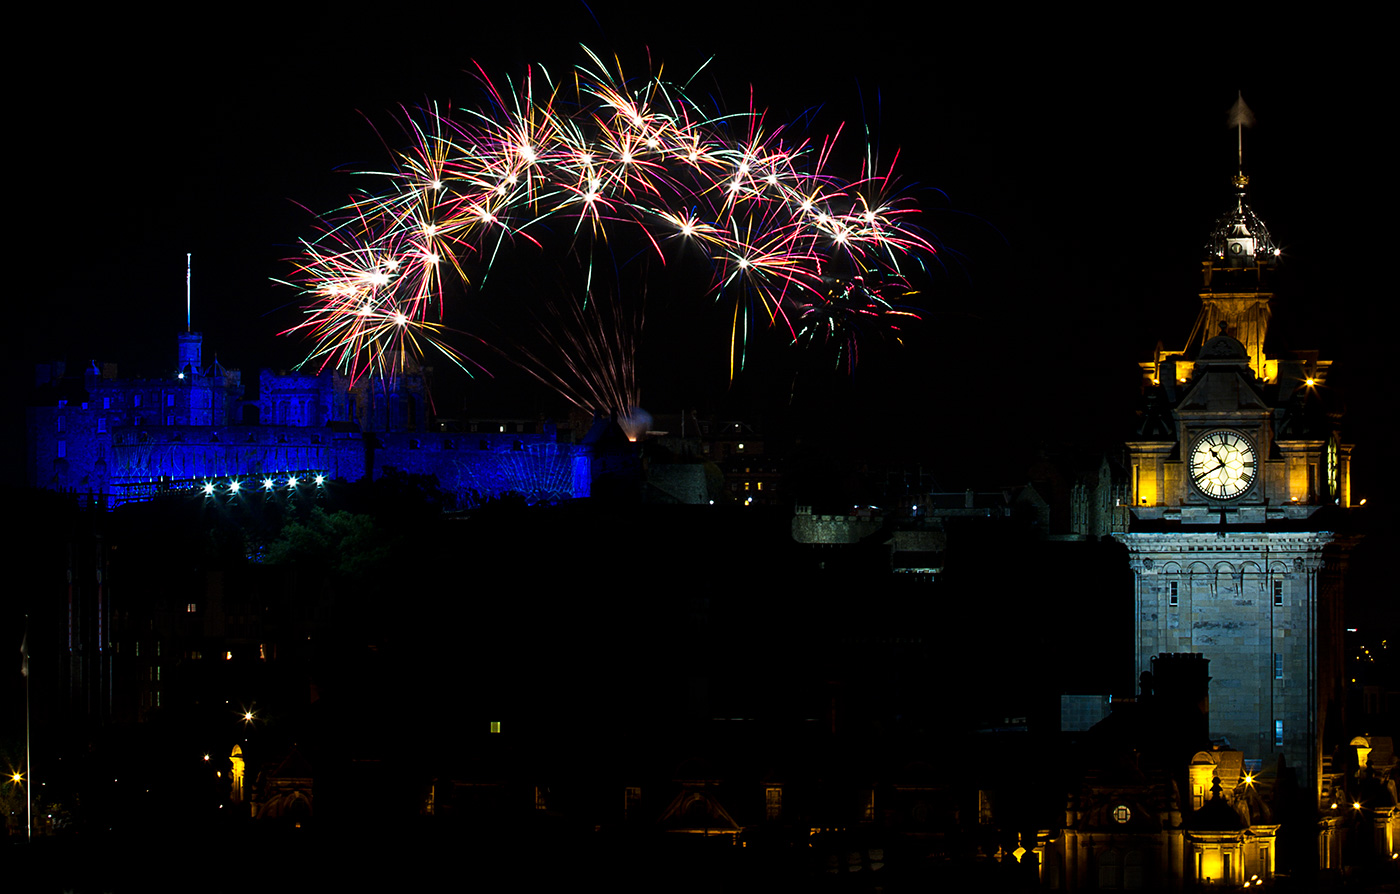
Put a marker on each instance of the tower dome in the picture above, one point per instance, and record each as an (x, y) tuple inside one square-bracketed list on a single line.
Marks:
[(1240, 238)]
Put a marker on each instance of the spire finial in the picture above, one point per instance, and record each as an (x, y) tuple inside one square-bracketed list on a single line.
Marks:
[(1240, 118)]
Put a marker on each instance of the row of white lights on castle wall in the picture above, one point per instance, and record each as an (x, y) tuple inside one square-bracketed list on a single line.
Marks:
[(268, 484)]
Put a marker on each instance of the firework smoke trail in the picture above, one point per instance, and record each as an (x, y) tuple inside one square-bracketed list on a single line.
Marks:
[(599, 153)]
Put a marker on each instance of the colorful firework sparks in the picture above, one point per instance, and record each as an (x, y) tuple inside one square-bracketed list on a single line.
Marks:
[(589, 354), (849, 309), (600, 153)]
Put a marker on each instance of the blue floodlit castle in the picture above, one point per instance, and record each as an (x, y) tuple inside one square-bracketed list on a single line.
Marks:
[(112, 440)]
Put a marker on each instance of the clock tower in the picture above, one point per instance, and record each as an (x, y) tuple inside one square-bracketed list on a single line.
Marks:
[(1238, 475)]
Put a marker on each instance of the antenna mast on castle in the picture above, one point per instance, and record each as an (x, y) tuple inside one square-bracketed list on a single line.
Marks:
[(187, 291)]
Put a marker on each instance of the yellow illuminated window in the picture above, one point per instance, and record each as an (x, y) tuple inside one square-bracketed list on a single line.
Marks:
[(773, 802), (495, 726)]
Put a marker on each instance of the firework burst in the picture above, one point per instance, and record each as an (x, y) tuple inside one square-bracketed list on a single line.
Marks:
[(600, 154)]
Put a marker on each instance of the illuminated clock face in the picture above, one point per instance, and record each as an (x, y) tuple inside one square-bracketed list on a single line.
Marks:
[(1223, 464)]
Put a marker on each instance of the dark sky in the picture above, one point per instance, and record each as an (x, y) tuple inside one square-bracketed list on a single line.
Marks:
[(1072, 168)]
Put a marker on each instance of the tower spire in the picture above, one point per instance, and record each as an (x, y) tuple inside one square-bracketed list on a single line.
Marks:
[(1240, 252), (1240, 118)]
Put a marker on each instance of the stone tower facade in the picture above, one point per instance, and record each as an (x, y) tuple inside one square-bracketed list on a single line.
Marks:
[(1238, 476)]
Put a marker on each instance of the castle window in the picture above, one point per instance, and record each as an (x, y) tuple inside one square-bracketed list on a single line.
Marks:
[(136, 400), (1172, 593), (1121, 813), (106, 403), (1278, 665), (1278, 592), (170, 400), (190, 607), (495, 726), (101, 424), (59, 422), (1278, 732)]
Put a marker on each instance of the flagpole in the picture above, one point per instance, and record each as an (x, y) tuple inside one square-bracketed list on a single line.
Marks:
[(28, 768)]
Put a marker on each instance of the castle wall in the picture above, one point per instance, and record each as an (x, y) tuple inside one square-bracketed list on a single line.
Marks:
[(479, 466), (121, 439)]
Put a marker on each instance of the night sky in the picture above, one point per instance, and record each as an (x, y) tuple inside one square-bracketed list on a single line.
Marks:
[(1071, 172)]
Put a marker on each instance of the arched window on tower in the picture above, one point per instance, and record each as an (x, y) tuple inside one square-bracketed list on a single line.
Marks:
[(1111, 870)]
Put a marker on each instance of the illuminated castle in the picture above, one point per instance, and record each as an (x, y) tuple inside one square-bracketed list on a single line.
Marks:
[(115, 440)]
